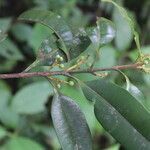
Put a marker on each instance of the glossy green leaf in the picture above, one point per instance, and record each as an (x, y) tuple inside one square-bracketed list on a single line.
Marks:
[(103, 33), (80, 43), (31, 99), (22, 143), (120, 114), (135, 92), (48, 51), (57, 24), (77, 95), (70, 124), (54, 22)]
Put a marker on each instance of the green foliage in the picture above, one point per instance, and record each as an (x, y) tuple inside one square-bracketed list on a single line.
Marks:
[(17, 143), (123, 103), (70, 124), (103, 33), (23, 103), (67, 39)]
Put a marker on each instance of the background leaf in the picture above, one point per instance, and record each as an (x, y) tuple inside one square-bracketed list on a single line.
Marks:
[(7, 116), (22, 31), (10, 51), (22, 143), (5, 24), (31, 99), (124, 35), (3, 132)]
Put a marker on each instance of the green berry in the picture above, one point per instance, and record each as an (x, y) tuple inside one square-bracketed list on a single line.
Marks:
[(146, 62), (71, 83), (59, 86), (82, 57), (61, 66), (58, 56), (61, 59)]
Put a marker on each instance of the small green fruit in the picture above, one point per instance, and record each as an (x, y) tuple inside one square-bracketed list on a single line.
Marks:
[(58, 56), (61, 66), (82, 57), (71, 83), (59, 86), (146, 62), (61, 59)]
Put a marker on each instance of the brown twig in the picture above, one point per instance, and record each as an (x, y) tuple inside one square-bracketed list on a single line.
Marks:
[(67, 73)]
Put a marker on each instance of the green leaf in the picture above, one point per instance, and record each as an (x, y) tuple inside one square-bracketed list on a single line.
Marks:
[(80, 43), (57, 24), (3, 132), (70, 124), (7, 65), (5, 94), (7, 116), (107, 51), (22, 143), (10, 51), (103, 33), (21, 31), (39, 32), (2, 36), (31, 99), (54, 22), (48, 51), (130, 21), (120, 114), (5, 24), (135, 92), (124, 34), (47, 131)]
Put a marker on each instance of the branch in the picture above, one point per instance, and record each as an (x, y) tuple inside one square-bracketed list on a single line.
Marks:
[(67, 73)]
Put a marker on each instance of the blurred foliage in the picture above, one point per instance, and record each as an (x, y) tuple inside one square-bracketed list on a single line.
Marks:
[(25, 120)]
